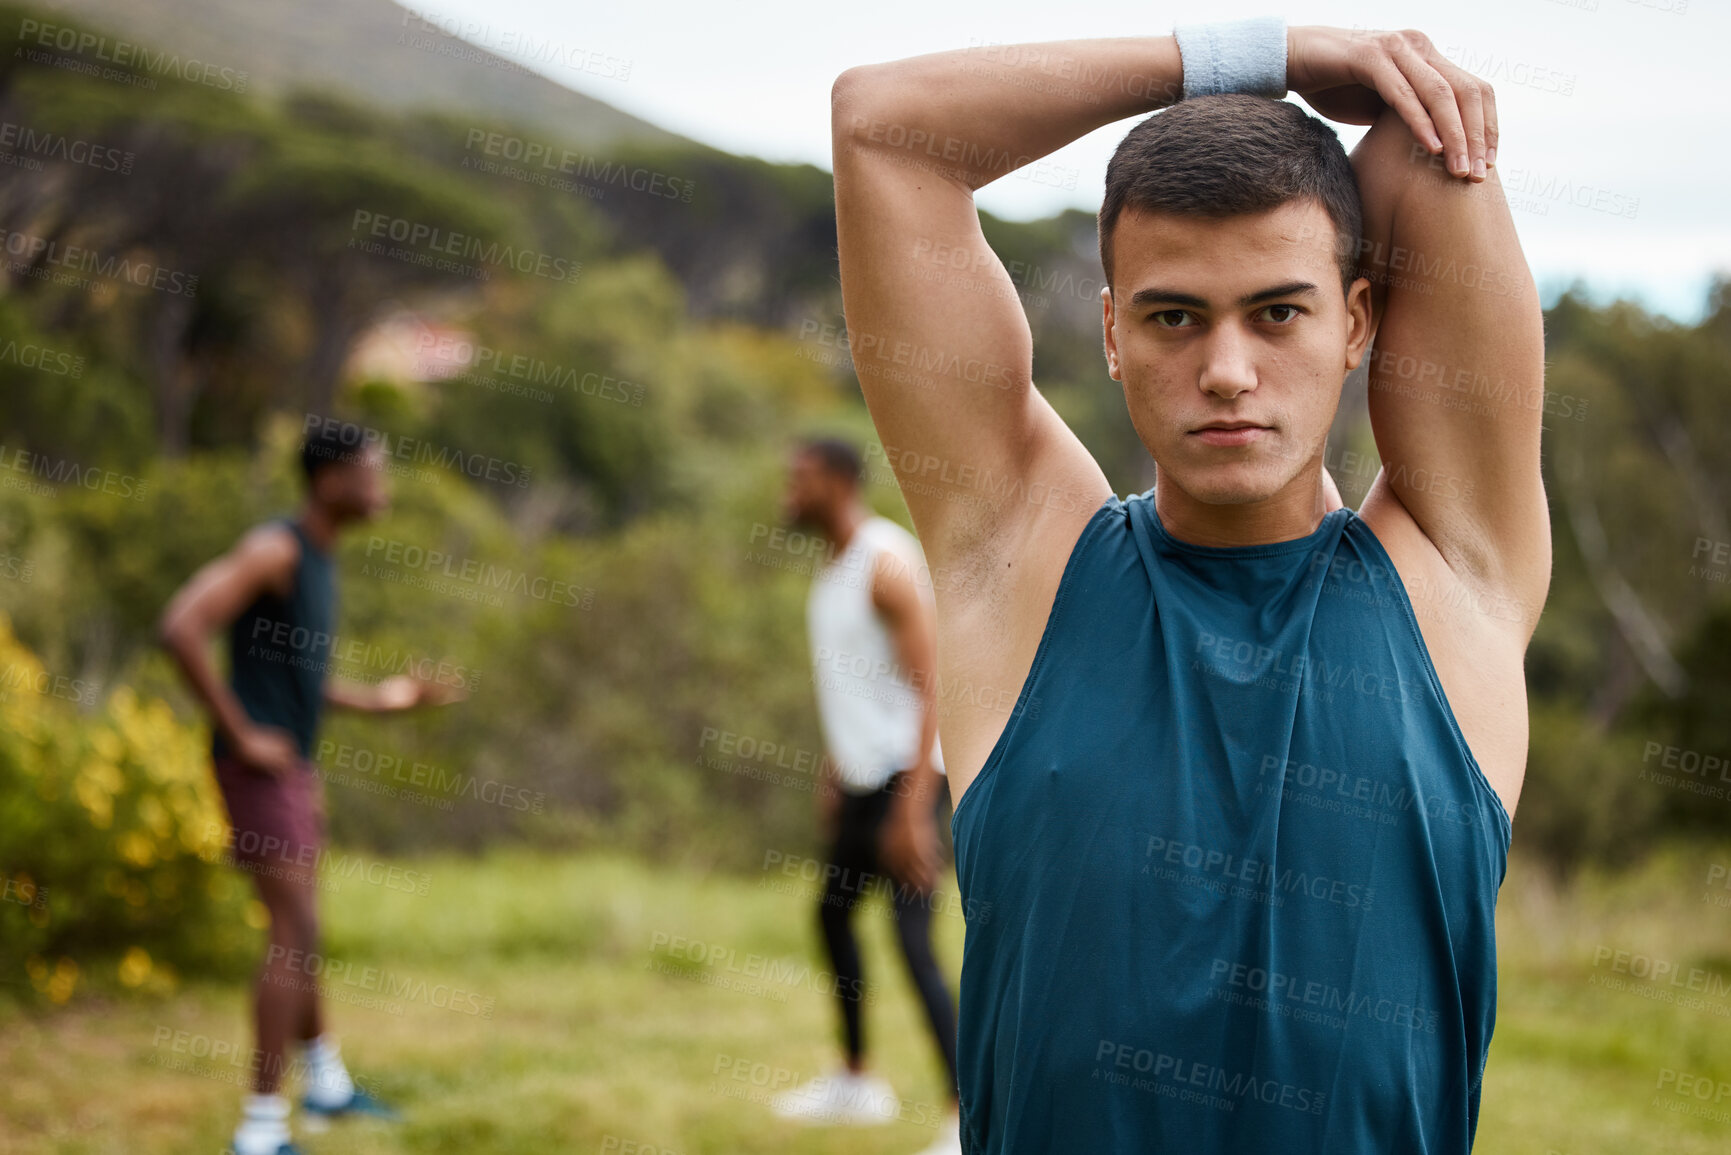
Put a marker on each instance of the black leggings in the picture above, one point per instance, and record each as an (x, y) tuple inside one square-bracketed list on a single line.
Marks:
[(854, 874)]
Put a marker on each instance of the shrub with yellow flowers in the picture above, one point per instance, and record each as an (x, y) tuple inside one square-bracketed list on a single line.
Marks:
[(111, 845)]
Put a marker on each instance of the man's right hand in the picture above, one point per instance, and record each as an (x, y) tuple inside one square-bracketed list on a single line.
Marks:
[(267, 750), (1350, 76)]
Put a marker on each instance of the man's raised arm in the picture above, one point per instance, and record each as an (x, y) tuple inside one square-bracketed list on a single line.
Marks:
[(936, 329), (1457, 371)]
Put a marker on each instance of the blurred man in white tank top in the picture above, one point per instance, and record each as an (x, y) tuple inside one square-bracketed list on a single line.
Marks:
[(873, 644)]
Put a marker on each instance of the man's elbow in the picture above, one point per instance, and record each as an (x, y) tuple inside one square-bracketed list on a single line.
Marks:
[(850, 99), (174, 632)]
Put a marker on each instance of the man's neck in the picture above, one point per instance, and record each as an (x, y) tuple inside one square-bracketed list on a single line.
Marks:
[(320, 525), (1294, 512), (840, 526)]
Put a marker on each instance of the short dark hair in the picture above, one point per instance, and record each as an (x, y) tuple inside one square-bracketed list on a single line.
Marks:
[(332, 443), (1232, 155), (836, 456)]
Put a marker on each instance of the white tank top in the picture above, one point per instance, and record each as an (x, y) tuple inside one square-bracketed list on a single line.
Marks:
[(870, 711)]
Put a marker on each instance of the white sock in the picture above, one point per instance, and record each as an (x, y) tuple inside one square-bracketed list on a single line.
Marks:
[(328, 1082), (263, 1125)]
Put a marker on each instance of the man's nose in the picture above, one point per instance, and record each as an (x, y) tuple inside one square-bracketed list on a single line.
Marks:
[(1228, 366)]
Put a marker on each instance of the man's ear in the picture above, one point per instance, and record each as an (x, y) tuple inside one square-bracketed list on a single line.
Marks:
[(1106, 319), (1360, 322)]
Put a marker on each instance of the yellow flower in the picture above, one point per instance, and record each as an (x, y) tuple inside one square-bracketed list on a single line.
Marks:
[(136, 848), (135, 967)]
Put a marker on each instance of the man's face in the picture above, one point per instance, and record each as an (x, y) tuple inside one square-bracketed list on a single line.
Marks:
[(1232, 338), (810, 492), (356, 490)]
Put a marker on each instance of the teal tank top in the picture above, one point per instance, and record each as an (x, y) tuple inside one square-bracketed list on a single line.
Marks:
[(1231, 869), (279, 648)]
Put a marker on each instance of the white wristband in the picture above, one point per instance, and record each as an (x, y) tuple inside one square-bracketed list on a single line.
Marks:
[(1234, 56)]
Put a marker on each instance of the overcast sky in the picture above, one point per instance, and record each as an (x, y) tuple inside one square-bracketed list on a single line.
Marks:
[(1613, 102)]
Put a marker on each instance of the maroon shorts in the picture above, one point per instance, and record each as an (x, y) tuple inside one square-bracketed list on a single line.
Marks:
[(278, 823)]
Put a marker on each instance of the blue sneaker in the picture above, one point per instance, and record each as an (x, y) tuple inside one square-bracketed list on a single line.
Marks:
[(285, 1149), (358, 1103)]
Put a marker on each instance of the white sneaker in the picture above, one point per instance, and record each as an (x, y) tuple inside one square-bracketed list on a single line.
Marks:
[(842, 1097), (949, 1140)]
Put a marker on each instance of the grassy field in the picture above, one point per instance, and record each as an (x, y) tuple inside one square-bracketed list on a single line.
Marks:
[(563, 1004)]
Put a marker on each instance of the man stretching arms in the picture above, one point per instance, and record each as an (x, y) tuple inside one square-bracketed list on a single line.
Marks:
[(1243, 828), (275, 596)]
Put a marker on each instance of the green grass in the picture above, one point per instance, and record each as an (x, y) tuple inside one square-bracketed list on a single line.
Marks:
[(585, 1041)]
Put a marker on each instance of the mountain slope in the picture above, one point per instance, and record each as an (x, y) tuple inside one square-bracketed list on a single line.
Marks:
[(382, 54)]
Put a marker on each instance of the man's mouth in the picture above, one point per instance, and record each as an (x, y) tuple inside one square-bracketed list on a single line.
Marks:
[(1227, 434)]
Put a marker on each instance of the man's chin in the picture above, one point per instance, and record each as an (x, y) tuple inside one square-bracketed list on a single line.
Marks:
[(1226, 485)]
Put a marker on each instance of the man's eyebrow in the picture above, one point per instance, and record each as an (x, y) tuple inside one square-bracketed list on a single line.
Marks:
[(1159, 296)]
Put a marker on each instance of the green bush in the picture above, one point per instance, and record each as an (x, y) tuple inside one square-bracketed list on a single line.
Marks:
[(1583, 798), (111, 832)]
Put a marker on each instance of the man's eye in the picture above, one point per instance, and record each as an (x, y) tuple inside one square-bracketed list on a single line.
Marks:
[(1171, 318), (1285, 313)]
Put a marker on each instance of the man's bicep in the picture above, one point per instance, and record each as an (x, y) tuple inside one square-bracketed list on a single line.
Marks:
[(1457, 367), (943, 351)]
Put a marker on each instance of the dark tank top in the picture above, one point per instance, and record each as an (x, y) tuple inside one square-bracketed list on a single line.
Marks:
[(279, 648), (1236, 867)]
